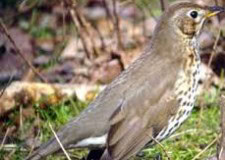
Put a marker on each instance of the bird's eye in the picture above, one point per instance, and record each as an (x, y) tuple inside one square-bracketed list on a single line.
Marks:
[(194, 14)]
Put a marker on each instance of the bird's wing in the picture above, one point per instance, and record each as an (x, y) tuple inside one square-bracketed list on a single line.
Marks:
[(142, 115), (127, 136)]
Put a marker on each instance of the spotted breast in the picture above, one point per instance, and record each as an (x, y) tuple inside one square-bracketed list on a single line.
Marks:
[(185, 90)]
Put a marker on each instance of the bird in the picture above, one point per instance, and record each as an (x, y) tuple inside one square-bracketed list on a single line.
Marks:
[(150, 99)]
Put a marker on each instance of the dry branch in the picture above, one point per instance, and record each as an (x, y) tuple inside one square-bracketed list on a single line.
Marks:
[(4, 88), (117, 24), (107, 9), (205, 149), (221, 145), (84, 29), (81, 33), (18, 51), (164, 4), (4, 138), (56, 137), (30, 93), (221, 150), (163, 148)]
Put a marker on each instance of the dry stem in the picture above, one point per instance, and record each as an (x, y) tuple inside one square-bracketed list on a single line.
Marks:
[(117, 25), (163, 148), (221, 149), (5, 136), (205, 149), (18, 51), (56, 137), (164, 4), (4, 88)]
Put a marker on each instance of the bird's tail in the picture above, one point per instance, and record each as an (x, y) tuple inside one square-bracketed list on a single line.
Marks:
[(66, 135), (44, 150)]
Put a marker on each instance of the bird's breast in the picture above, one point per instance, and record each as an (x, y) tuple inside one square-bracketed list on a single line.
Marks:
[(185, 91)]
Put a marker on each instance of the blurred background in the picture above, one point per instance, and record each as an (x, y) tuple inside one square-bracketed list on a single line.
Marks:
[(55, 57)]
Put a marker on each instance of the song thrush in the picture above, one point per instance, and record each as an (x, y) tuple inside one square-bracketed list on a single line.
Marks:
[(150, 99)]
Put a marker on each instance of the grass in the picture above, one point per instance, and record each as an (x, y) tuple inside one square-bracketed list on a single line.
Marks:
[(58, 115), (193, 137)]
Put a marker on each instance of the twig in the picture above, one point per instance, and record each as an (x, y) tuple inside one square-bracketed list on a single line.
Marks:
[(83, 40), (84, 31), (101, 37), (107, 9), (63, 21), (18, 51), (207, 83), (221, 148), (163, 148), (205, 149), (117, 25), (144, 15), (26, 6), (36, 137), (5, 136), (21, 120), (56, 137), (214, 47), (5, 87), (217, 39), (11, 154), (182, 133), (86, 28), (10, 147), (164, 4), (221, 151), (109, 19)]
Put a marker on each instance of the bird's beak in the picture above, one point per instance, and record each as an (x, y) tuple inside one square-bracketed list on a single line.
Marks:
[(214, 11)]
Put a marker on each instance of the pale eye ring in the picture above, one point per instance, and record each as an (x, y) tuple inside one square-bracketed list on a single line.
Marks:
[(194, 14)]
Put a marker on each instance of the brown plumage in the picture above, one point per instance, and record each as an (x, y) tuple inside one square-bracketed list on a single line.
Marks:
[(166, 100), (148, 100)]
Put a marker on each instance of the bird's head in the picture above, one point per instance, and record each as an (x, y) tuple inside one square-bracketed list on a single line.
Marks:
[(187, 18)]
